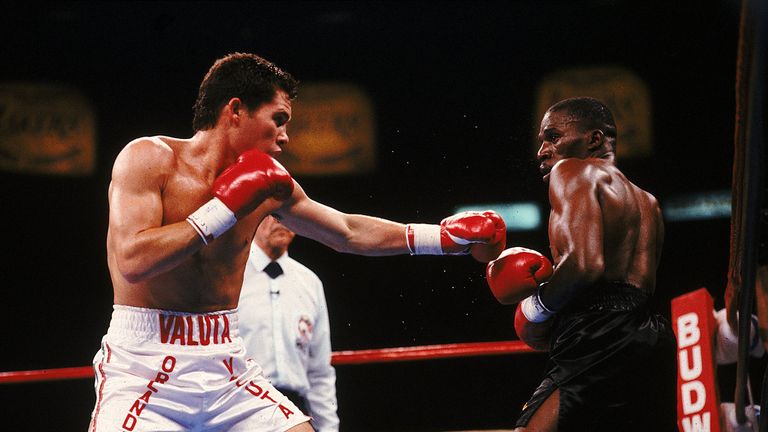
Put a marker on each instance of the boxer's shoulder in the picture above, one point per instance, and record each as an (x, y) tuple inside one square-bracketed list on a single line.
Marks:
[(146, 155)]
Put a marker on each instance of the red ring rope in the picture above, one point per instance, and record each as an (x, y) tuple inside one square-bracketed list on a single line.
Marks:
[(385, 355), (429, 352)]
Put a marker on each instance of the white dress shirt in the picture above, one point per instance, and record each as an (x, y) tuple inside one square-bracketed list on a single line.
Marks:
[(284, 325)]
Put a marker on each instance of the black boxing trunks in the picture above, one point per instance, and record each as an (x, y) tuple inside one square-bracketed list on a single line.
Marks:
[(613, 360)]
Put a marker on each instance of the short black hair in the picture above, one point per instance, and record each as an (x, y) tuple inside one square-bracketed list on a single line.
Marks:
[(590, 113), (249, 77)]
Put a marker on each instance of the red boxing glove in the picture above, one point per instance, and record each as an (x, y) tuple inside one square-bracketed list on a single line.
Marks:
[(485, 252), (243, 186), (254, 177), (517, 274), (535, 334), (456, 234)]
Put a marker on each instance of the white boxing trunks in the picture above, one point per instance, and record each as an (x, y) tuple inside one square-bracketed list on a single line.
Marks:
[(172, 371)]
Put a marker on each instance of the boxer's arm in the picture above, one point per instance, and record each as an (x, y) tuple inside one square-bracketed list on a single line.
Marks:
[(347, 233), (138, 243), (575, 231), (482, 234)]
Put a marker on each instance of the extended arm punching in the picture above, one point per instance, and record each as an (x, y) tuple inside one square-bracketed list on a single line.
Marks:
[(482, 234)]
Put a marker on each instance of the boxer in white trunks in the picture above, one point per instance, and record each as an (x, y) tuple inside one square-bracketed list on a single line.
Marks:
[(182, 216)]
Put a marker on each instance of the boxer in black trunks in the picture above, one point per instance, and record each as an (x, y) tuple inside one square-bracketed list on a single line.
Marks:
[(612, 364), (612, 359)]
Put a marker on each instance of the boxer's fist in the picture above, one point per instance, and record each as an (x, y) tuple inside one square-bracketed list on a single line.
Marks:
[(254, 177), (460, 231), (485, 252), (456, 234), (727, 341), (535, 334), (242, 187), (517, 274)]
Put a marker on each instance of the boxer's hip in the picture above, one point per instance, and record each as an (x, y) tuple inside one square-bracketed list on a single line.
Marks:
[(612, 321), (610, 354), (201, 351), (612, 350), (173, 330), (164, 370)]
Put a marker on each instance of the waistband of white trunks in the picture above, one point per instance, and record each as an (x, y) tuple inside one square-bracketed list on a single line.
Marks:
[(173, 327)]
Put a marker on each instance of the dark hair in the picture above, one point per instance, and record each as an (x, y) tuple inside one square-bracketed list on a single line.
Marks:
[(246, 76), (589, 113)]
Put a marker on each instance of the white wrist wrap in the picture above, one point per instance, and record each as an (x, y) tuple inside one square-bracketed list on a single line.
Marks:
[(534, 310), (426, 239), (212, 219)]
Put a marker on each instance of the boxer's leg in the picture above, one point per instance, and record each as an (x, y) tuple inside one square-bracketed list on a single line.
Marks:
[(544, 419), (242, 399)]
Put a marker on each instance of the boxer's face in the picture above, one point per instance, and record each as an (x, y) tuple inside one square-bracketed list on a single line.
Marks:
[(560, 138), (265, 128)]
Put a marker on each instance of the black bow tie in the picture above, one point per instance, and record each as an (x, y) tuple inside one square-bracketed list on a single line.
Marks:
[(273, 269)]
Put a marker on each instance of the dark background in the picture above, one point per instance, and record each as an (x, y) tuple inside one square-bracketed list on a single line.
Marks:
[(453, 88)]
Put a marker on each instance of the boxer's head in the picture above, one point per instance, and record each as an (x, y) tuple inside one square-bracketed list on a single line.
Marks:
[(588, 114), (248, 77), (575, 128)]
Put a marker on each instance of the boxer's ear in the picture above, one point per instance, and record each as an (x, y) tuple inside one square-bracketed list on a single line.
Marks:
[(596, 140)]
